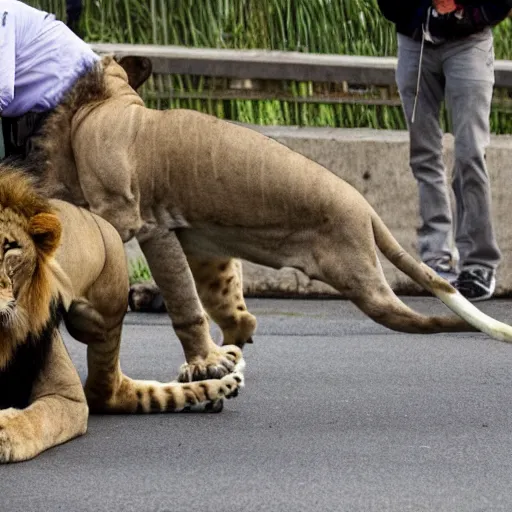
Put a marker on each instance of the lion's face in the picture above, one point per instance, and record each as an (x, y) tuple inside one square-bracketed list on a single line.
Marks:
[(29, 236), (18, 258), (24, 245)]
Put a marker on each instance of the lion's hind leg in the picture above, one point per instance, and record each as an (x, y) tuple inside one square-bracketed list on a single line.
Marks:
[(108, 390), (219, 285), (97, 321), (142, 396)]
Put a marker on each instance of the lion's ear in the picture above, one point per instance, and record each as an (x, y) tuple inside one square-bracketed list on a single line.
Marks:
[(45, 229), (138, 69)]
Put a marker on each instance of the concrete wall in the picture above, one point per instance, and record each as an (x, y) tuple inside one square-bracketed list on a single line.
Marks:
[(376, 163)]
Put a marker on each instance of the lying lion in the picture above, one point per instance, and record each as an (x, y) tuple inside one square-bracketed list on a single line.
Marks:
[(197, 191), (42, 402)]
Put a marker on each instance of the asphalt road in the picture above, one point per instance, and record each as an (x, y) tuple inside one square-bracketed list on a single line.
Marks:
[(338, 414)]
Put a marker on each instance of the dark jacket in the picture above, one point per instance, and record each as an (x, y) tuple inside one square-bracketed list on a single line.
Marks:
[(410, 15)]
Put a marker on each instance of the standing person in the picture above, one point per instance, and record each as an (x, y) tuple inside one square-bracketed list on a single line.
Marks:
[(40, 61), (445, 52)]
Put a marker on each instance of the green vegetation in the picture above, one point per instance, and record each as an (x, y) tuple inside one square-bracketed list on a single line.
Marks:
[(139, 271), (325, 26)]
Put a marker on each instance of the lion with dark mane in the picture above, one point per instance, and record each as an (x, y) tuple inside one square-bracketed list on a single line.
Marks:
[(58, 262)]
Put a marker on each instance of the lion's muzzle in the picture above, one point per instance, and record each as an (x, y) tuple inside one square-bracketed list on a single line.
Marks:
[(7, 305)]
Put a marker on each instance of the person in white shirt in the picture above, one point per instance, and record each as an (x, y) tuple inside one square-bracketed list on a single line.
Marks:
[(40, 60)]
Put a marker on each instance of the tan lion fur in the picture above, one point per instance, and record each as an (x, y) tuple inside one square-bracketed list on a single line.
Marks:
[(56, 257), (198, 191)]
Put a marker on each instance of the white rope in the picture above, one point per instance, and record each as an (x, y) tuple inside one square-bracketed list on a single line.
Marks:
[(425, 36)]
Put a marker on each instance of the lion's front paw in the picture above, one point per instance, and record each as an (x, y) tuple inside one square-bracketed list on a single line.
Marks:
[(231, 384), (220, 362), (227, 387), (14, 444)]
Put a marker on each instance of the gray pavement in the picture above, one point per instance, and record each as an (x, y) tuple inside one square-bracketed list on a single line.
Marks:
[(339, 414)]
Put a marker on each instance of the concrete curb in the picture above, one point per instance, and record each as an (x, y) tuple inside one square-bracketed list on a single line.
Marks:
[(375, 162)]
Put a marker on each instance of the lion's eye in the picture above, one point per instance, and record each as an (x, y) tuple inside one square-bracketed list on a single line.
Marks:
[(13, 260), (10, 245)]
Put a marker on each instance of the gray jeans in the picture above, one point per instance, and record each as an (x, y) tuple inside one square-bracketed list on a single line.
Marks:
[(462, 73)]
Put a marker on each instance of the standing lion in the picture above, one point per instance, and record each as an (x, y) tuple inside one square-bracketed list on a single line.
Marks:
[(197, 192)]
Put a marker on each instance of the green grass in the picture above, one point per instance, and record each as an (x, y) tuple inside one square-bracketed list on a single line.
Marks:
[(353, 27), (139, 271)]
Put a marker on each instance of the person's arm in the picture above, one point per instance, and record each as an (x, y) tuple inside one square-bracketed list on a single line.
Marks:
[(486, 13), (7, 58), (468, 17)]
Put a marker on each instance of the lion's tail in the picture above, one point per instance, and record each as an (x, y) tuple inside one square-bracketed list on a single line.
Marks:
[(428, 279)]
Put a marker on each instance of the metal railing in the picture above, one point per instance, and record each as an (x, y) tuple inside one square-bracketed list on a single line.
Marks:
[(261, 74)]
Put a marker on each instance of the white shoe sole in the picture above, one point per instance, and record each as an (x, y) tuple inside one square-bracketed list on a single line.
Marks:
[(488, 295)]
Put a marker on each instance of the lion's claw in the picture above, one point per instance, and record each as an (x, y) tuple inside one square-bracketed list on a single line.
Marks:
[(219, 363), (214, 407), (227, 387)]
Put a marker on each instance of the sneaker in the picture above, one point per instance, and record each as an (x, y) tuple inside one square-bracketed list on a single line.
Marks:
[(476, 283), (445, 271)]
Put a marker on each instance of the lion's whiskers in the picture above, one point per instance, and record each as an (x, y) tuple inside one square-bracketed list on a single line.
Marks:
[(8, 314)]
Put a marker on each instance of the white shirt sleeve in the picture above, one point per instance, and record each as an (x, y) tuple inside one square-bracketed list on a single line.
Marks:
[(7, 57)]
